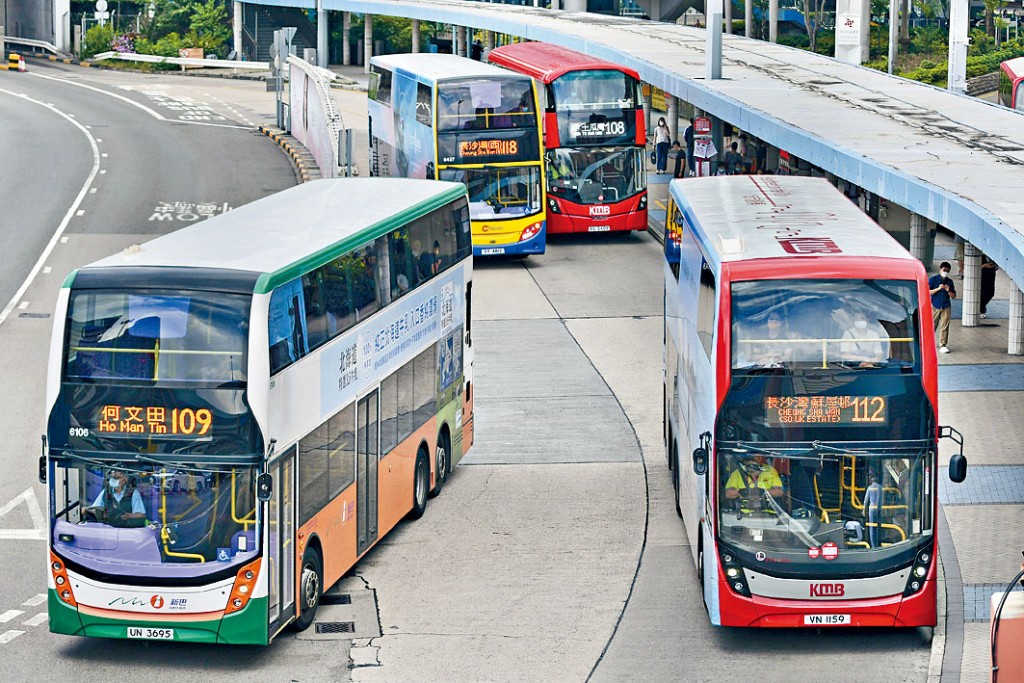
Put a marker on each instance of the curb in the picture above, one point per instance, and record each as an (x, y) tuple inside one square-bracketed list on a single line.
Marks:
[(306, 167), (939, 636)]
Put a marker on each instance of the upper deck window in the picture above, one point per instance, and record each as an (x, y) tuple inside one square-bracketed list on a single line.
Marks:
[(486, 104)]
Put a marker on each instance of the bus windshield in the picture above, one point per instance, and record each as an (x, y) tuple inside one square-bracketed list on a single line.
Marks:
[(179, 337), (595, 107), (486, 104), (796, 503), (162, 521), (596, 175), (499, 192), (824, 324)]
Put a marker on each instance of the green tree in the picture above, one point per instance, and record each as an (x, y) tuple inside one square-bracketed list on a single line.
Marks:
[(209, 28)]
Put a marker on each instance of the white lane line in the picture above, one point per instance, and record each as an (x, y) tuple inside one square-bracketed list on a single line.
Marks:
[(63, 240), (80, 212), (37, 599), (43, 257), (9, 636), (38, 532), (10, 614), (47, 270), (23, 305), (36, 620)]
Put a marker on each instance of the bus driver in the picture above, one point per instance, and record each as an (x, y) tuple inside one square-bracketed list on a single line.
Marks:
[(118, 504), (753, 473)]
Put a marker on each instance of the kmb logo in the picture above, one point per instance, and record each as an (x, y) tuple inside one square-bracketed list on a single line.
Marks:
[(827, 590), (600, 210), (809, 245)]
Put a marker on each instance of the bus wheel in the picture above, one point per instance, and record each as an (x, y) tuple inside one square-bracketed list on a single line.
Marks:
[(441, 460), (420, 485), (310, 588), (700, 566), (926, 633)]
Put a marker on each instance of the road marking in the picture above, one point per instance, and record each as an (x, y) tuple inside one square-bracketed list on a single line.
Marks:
[(63, 240), (80, 212), (36, 620), (47, 270), (92, 190), (10, 614), (38, 533), (23, 305), (9, 636), (37, 599)]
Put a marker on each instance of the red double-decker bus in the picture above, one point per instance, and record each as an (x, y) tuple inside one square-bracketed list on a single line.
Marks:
[(801, 406), (594, 137), (1011, 76)]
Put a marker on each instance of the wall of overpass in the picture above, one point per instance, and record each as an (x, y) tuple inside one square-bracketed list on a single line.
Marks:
[(956, 160)]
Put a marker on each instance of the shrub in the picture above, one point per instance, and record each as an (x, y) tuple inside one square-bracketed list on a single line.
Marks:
[(97, 39)]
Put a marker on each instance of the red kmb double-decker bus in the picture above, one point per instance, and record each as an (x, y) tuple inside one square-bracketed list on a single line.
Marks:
[(594, 137), (801, 406)]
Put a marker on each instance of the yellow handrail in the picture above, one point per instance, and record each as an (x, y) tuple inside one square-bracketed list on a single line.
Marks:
[(234, 515), (165, 532)]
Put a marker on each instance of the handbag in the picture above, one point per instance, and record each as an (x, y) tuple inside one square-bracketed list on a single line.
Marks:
[(654, 157)]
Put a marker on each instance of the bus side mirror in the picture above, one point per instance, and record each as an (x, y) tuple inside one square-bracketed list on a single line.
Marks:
[(700, 461), (42, 463), (264, 487), (958, 468)]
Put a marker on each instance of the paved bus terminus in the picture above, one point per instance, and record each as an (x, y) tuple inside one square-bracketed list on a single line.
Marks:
[(1011, 77), (451, 118), (239, 410), (594, 137), (801, 399)]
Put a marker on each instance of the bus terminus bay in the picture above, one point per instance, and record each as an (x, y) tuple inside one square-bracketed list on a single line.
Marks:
[(594, 137), (239, 410), (801, 406), (451, 118)]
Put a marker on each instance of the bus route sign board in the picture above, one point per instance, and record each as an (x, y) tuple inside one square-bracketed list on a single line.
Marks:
[(702, 126)]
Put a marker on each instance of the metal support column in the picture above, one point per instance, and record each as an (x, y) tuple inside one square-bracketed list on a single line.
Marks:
[(748, 18), (322, 54), (647, 109), (673, 116), (918, 237), (971, 286), (728, 16), (236, 27), (415, 35), (1015, 345), (773, 21), (367, 41), (346, 47)]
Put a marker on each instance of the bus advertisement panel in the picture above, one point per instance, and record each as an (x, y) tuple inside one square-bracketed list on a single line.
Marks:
[(231, 429), (801, 404), (594, 137), (451, 118)]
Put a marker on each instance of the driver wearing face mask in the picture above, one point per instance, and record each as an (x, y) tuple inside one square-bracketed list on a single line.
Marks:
[(118, 503), (864, 342)]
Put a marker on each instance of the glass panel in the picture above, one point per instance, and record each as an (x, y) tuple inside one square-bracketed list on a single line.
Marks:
[(314, 483), (595, 106), (342, 450), (128, 518), (287, 339), (185, 336), (496, 193), (863, 503), (389, 414), (274, 535), (823, 324), (492, 104), (595, 175)]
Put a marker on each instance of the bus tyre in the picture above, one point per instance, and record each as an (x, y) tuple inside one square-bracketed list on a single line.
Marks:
[(420, 485), (927, 633), (441, 461), (311, 587)]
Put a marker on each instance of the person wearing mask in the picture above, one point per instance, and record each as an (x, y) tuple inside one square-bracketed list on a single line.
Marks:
[(118, 503), (863, 342), (942, 290), (680, 157), (662, 140)]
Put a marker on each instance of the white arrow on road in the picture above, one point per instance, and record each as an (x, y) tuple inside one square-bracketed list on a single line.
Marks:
[(38, 533)]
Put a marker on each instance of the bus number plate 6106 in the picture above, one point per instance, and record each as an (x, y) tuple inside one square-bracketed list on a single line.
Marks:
[(827, 620), (151, 633)]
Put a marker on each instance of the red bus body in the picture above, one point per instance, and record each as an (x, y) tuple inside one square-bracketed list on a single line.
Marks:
[(1011, 92), (843, 529), (597, 180)]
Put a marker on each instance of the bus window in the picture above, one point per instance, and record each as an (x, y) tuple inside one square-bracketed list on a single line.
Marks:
[(287, 338), (316, 313), (380, 84), (341, 450), (424, 109), (706, 308), (402, 270)]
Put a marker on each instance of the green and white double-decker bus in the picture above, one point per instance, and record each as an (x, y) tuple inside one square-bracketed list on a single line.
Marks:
[(239, 410)]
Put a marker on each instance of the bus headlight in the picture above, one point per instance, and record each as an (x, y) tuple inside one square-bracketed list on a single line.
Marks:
[(734, 572), (553, 206), (918, 572), (60, 578), (531, 232), (245, 584), (642, 205)]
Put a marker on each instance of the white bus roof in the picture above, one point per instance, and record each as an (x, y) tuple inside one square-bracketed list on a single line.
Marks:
[(745, 217), (441, 67), (290, 227)]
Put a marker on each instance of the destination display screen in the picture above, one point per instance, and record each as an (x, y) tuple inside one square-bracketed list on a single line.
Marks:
[(599, 129), (826, 410), (139, 420), (469, 149)]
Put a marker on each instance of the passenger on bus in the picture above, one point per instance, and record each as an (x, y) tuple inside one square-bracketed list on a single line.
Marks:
[(753, 476), (863, 341), (770, 348), (119, 503)]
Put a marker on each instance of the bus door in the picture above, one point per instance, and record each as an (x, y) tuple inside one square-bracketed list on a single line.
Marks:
[(367, 429), (281, 540)]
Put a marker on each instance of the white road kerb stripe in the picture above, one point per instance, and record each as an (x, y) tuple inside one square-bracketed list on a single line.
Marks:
[(9, 636)]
